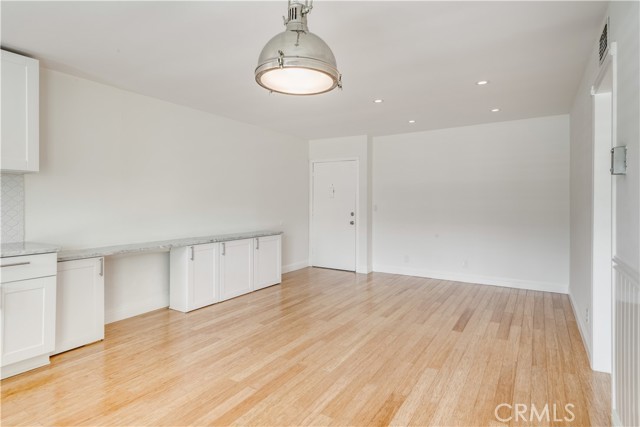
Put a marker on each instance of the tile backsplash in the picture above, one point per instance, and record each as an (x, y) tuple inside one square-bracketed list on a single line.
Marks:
[(12, 206)]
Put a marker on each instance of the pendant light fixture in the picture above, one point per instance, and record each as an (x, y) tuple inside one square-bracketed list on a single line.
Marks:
[(297, 62)]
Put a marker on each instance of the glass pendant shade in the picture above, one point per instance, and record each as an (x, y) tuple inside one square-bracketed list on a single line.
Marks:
[(297, 62), (296, 81)]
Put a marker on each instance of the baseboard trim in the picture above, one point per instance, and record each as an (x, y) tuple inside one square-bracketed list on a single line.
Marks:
[(363, 269), (559, 288), (24, 366), (128, 311), (586, 341), (295, 266), (615, 419)]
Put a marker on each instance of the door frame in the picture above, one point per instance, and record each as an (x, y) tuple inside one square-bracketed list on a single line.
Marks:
[(608, 67), (603, 101), (312, 162)]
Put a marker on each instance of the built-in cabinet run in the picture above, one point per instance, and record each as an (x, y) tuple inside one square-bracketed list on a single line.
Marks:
[(20, 113), (80, 303), (49, 306), (28, 311), (202, 275)]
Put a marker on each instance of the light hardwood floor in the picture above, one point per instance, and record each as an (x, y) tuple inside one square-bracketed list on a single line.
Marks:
[(326, 348)]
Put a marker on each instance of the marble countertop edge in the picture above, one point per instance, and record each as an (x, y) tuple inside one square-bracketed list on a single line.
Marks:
[(157, 246), (26, 248)]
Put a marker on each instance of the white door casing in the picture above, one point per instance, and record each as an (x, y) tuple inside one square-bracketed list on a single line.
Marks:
[(602, 225)]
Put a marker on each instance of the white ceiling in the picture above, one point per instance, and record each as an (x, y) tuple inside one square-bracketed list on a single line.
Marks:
[(423, 58)]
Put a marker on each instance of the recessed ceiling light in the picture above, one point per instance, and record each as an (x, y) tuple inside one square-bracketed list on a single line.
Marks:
[(378, 101), (412, 121), (495, 110), (482, 82)]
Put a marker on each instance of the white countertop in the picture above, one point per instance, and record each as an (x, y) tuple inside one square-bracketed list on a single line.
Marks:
[(162, 245), (26, 248)]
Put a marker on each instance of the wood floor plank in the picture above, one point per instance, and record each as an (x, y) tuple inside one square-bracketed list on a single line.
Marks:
[(324, 348)]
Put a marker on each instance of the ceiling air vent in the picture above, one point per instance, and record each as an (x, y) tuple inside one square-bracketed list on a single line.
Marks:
[(604, 42)]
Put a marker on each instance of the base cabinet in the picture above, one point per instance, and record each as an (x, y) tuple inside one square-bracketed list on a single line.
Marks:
[(236, 268), (202, 275), (79, 303), (194, 277), (27, 312), (267, 263), (28, 319)]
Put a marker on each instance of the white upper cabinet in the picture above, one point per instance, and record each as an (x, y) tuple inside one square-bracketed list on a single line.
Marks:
[(267, 263), (20, 113), (236, 268)]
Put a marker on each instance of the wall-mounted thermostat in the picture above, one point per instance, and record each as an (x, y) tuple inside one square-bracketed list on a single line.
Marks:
[(619, 160)]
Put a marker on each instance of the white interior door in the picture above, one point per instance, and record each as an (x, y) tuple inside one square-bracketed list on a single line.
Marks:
[(333, 216)]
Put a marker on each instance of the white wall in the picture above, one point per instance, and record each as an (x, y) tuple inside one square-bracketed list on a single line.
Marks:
[(581, 182), (625, 17), (354, 147), (624, 31), (117, 167), (135, 284), (485, 204)]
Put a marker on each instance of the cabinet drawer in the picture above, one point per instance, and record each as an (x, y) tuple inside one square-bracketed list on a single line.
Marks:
[(28, 267)]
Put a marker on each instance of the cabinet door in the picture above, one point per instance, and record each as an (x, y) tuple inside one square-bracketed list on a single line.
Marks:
[(20, 98), (79, 303), (28, 316), (203, 276), (236, 268), (266, 259)]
